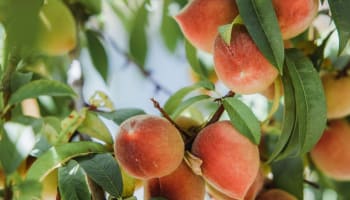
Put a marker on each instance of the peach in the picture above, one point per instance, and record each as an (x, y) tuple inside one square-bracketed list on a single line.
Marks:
[(230, 160), (57, 30), (295, 16), (276, 194), (331, 154), (240, 65), (180, 184), (337, 95), (148, 147), (253, 191), (200, 20)]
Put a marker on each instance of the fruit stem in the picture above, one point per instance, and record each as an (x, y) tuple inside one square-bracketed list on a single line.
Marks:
[(184, 133), (220, 109)]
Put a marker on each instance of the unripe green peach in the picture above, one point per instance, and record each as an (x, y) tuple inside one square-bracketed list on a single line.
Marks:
[(240, 65), (180, 184), (230, 160), (57, 28), (337, 92), (332, 152), (148, 147), (200, 20), (276, 194), (295, 16)]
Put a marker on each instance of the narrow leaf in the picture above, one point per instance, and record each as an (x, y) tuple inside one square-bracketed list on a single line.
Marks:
[(169, 28), (70, 124), (72, 182), (289, 116), (260, 19), (191, 55), (243, 119), (311, 106), (98, 53), (174, 101), (58, 155), (104, 170), (138, 40), (40, 87), (94, 127), (341, 16), (121, 115), (187, 103)]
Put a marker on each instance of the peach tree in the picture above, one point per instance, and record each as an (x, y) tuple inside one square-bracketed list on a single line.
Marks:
[(204, 140)]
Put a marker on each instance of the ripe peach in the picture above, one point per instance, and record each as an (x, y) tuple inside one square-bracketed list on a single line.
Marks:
[(148, 146), (200, 20), (294, 16), (276, 194), (57, 30), (332, 152), (180, 184), (240, 65), (338, 104), (230, 160), (251, 194)]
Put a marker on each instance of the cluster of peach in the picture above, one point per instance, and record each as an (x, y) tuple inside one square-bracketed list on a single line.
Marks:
[(152, 149)]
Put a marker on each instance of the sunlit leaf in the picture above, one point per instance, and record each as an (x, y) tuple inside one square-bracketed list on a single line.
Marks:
[(27, 190), (40, 87), (16, 143), (56, 156), (243, 119)]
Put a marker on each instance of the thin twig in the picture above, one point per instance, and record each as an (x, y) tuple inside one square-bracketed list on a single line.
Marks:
[(313, 184), (220, 110), (166, 116)]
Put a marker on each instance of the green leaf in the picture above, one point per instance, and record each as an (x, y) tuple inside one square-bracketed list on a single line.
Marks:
[(27, 190), (35, 123), (289, 117), (169, 28), (92, 6), (288, 175), (309, 95), (94, 127), (58, 155), (121, 115), (19, 79), (104, 170), (138, 44), (98, 53), (21, 25), (40, 87), (16, 142), (225, 31), (72, 182), (243, 119), (175, 100), (305, 107), (191, 55), (260, 19), (187, 103), (70, 124), (341, 16)]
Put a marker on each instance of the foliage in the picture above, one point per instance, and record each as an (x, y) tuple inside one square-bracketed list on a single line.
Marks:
[(71, 135)]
